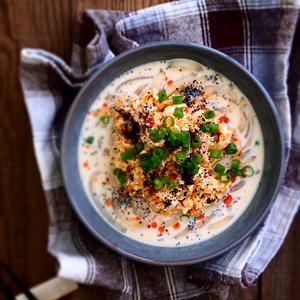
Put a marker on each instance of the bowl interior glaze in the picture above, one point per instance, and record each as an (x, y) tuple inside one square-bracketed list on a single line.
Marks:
[(267, 189)]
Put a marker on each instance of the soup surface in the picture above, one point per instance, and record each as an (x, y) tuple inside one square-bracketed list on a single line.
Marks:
[(171, 152)]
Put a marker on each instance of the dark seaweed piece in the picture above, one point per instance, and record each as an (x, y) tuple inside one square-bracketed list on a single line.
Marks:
[(132, 128), (189, 93), (209, 200), (187, 178), (167, 203)]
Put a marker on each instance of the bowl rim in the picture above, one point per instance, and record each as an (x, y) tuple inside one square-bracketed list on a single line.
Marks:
[(99, 236)]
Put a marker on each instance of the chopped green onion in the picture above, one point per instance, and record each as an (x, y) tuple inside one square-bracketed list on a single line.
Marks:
[(174, 137), (159, 153), (178, 112), (219, 169), (209, 127), (184, 216), (159, 182), (196, 142), (190, 167), (168, 122), (177, 100), (150, 161), (138, 147), (105, 119), (157, 134), (144, 157), (117, 171), (214, 128), (257, 143), (185, 138), (131, 153), (146, 162), (231, 148), (235, 172), (89, 140), (174, 140), (225, 178), (120, 175), (180, 157), (196, 158), (172, 184), (162, 95), (235, 164), (179, 138), (215, 153), (209, 114), (128, 154), (248, 171)]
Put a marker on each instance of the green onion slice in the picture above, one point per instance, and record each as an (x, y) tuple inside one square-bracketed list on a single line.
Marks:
[(209, 114), (210, 127), (159, 153), (89, 140), (177, 100), (257, 143), (168, 122), (144, 157), (105, 119), (162, 95), (128, 154), (225, 178), (220, 169), (131, 153), (185, 138), (196, 158), (196, 142), (190, 167), (235, 164), (248, 171), (157, 134), (180, 157), (146, 162), (172, 184), (231, 148), (174, 137), (159, 182), (178, 112), (120, 175), (138, 147), (215, 153), (184, 216), (235, 167), (150, 161)]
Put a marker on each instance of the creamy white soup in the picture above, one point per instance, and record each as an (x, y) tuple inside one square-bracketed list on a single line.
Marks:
[(171, 152)]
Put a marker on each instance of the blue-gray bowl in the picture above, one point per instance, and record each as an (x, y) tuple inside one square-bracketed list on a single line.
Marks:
[(264, 196)]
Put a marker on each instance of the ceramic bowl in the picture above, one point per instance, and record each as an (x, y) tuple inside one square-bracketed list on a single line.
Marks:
[(266, 191)]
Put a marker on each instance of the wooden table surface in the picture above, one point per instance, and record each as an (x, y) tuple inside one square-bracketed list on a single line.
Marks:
[(49, 24)]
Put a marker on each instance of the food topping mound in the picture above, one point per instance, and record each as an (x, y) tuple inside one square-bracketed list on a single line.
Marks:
[(169, 147)]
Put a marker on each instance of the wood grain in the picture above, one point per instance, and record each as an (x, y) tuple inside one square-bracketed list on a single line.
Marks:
[(281, 279), (49, 24)]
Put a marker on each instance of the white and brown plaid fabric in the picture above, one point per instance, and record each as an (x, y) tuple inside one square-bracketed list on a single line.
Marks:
[(264, 36)]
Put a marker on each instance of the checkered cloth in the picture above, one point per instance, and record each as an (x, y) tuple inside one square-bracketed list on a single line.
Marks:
[(264, 36)]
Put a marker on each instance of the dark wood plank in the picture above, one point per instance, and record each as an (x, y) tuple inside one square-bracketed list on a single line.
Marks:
[(79, 6), (250, 293), (281, 279), (23, 213)]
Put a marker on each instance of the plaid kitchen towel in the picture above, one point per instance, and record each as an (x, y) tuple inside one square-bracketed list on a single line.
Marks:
[(264, 36)]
